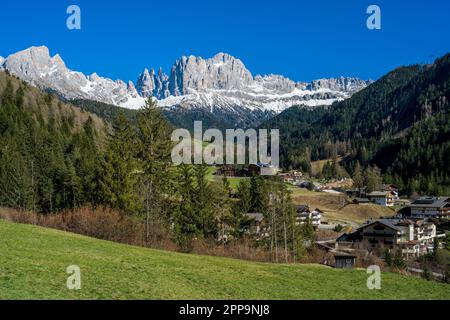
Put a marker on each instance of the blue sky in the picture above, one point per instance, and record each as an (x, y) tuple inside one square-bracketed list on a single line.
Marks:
[(303, 40)]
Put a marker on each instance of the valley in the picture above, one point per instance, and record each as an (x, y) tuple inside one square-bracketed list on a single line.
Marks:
[(92, 168), (225, 159)]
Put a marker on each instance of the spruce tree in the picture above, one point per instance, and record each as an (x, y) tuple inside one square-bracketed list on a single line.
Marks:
[(238, 220), (154, 154), (203, 200), (185, 219), (119, 172), (259, 194)]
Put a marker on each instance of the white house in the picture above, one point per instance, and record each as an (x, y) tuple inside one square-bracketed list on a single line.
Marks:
[(382, 198), (304, 213)]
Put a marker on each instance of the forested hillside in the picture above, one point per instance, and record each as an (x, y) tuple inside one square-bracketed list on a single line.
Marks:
[(48, 149), (106, 111), (181, 118), (400, 123)]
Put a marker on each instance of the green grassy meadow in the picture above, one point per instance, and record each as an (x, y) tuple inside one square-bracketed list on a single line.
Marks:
[(33, 262)]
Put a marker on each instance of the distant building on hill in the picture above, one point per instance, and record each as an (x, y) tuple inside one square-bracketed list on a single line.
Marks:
[(392, 188), (304, 213), (262, 169), (293, 177), (383, 198), (227, 171), (430, 207)]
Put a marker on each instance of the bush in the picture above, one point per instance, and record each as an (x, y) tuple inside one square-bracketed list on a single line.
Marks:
[(398, 261), (101, 223), (388, 258), (426, 273), (108, 224)]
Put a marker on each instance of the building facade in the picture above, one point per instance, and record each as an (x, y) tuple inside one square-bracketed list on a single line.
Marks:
[(304, 213), (383, 198), (413, 238), (430, 207)]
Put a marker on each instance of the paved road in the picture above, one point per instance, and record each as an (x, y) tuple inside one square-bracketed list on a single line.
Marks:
[(435, 274), (332, 225)]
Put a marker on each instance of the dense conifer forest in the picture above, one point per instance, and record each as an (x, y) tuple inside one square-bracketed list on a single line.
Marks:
[(399, 124)]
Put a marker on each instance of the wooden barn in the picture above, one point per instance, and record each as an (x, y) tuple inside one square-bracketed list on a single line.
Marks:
[(344, 260)]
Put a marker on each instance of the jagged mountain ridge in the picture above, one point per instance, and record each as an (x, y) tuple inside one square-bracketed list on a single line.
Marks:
[(219, 83), (37, 67)]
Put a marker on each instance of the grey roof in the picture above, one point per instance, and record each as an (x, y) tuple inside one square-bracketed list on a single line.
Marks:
[(389, 187), (346, 237), (340, 254), (378, 193), (391, 223), (431, 202), (302, 207)]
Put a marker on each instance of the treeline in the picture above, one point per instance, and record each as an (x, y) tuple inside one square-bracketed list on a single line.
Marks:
[(181, 117), (385, 125)]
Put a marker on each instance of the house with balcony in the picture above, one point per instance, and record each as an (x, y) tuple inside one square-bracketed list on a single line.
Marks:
[(392, 188), (430, 207), (292, 177), (305, 214), (383, 198), (413, 238)]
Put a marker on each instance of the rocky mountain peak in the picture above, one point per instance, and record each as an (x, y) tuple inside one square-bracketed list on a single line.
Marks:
[(132, 89), (343, 84), (276, 83), (222, 57), (221, 82), (36, 66), (145, 83), (222, 72)]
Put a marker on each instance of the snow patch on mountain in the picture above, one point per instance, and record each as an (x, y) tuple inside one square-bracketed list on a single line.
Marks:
[(221, 82), (36, 66)]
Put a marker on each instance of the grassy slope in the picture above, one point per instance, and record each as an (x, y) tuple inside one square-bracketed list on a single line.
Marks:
[(336, 209), (33, 261)]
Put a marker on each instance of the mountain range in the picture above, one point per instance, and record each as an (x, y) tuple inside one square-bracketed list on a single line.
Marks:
[(218, 87), (400, 123)]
